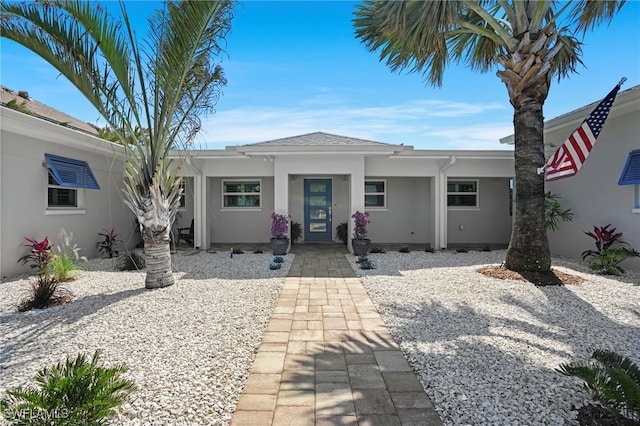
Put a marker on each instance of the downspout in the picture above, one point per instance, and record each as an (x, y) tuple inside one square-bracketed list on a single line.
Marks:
[(441, 208)]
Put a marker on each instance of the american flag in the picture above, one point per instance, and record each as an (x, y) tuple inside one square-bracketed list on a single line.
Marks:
[(568, 159)]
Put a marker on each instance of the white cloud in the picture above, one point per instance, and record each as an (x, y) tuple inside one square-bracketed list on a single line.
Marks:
[(425, 123)]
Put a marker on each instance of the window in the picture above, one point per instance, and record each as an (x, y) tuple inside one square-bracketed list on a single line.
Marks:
[(631, 176), (65, 180), (241, 194), (375, 193), (462, 193), (58, 196)]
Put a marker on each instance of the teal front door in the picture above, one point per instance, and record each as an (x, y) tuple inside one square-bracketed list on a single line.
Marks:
[(317, 210)]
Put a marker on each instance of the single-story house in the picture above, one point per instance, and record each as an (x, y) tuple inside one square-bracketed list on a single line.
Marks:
[(429, 197), (606, 189), (435, 198), (55, 173)]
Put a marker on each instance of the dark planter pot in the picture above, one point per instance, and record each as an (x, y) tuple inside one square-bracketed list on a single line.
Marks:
[(279, 246), (360, 247)]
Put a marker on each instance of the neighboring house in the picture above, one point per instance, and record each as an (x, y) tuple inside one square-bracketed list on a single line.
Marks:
[(606, 189), (435, 198), (55, 176)]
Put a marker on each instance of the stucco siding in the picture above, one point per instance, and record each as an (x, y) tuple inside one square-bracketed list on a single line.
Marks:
[(594, 194), (238, 225), (490, 223), (407, 217), (24, 198)]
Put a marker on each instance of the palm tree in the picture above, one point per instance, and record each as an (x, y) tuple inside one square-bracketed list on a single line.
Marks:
[(161, 85), (528, 41)]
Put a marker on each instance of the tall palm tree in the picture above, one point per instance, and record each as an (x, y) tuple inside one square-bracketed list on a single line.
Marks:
[(528, 41), (161, 85)]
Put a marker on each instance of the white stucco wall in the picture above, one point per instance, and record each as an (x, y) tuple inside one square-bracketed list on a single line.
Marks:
[(407, 217), (238, 225), (594, 194), (490, 223), (23, 180)]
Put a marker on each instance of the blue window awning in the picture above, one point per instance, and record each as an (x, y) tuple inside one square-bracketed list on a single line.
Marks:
[(70, 173), (631, 172)]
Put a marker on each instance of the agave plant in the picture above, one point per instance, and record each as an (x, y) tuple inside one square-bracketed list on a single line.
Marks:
[(151, 92), (612, 379)]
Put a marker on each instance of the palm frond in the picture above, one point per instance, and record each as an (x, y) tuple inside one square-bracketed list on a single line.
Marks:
[(613, 380)]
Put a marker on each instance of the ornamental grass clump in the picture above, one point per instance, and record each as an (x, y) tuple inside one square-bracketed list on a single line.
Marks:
[(279, 226), (361, 221)]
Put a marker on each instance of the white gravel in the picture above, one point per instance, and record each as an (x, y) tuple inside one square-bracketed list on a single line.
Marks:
[(189, 347), (485, 349)]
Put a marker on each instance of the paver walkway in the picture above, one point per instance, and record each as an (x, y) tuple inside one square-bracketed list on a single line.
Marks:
[(327, 358)]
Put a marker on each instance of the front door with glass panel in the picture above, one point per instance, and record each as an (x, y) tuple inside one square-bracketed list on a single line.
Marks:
[(317, 210)]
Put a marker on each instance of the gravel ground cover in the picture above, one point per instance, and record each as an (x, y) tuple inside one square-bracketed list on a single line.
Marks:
[(486, 350), (189, 347)]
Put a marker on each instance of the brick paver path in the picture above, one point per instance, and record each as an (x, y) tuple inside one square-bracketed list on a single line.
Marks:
[(327, 358)]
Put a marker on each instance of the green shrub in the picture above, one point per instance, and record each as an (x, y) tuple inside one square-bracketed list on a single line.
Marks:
[(130, 261), (109, 244), (553, 211), (606, 258), (75, 392), (296, 232), (612, 379)]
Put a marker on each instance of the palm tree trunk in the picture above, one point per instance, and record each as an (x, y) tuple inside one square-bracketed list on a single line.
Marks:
[(158, 263), (529, 246)]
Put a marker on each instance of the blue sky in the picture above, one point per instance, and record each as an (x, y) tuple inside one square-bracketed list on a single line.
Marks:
[(295, 67)]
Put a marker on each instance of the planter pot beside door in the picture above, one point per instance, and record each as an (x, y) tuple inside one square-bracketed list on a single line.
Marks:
[(360, 246), (279, 246)]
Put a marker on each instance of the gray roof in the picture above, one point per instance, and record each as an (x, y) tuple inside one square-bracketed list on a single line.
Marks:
[(320, 139), (32, 107)]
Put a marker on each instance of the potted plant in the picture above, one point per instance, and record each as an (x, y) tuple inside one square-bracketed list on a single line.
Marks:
[(279, 233), (342, 232), (360, 242), (296, 232)]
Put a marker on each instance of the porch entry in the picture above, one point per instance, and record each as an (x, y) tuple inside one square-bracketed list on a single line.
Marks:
[(317, 210)]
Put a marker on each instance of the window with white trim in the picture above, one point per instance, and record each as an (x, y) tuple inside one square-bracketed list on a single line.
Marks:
[(58, 196), (66, 179), (375, 193), (241, 194), (462, 194)]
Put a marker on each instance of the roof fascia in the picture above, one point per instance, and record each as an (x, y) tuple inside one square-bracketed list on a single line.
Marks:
[(460, 155), (320, 149), (625, 101), (27, 125)]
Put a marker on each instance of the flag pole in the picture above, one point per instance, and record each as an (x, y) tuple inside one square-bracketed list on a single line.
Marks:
[(541, 170)]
